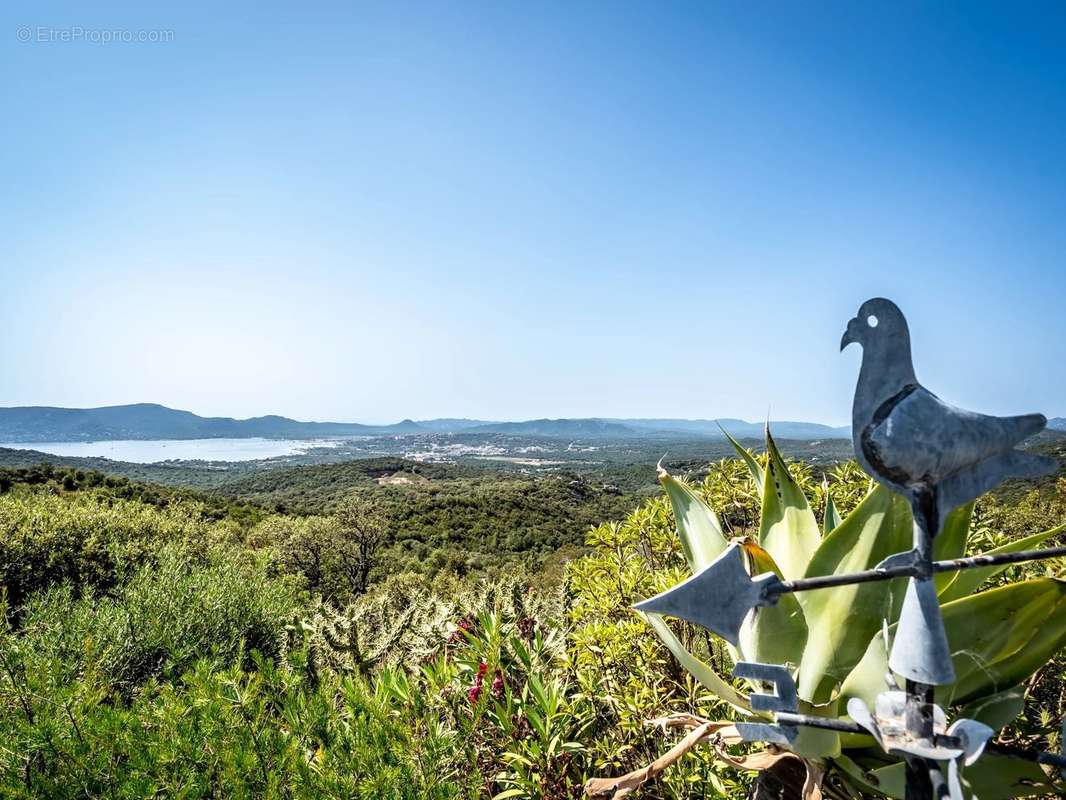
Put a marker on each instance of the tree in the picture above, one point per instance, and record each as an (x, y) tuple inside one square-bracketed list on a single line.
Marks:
[(361, 530)]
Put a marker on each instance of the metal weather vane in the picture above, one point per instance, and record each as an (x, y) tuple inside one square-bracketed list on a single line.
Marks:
[(938, 457)]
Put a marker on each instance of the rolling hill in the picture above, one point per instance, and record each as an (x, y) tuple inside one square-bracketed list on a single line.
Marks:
[(153, 421), (576, 428), (738, 428)]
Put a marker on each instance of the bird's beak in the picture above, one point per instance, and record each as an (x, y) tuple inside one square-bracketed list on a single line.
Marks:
[(849, 336)]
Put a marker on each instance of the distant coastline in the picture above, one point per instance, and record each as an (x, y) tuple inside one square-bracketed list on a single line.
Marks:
[(149, 421)]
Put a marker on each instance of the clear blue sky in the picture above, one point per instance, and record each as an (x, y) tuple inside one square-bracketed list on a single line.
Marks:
[(517, 209)]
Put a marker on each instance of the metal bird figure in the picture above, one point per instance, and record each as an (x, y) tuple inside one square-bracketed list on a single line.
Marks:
[(937, 456)]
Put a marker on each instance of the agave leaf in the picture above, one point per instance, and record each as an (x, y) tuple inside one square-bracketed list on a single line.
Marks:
[(951, 541), (841, 621), (698, 527), (996, 710), (992, 626), (1013, 669), (983, 630), (788, 529), (756, 470), (772, 634), (999, 777), (881, 781), (870, 676), (699, 670), (815, 742), (832, 516), (960, 584)]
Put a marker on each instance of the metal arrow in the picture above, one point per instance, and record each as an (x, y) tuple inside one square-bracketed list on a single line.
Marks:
[(721, 595)]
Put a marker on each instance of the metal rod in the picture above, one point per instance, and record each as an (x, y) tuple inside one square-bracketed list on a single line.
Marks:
[(825, 723), (918, 716), (998, 559), (913, 570)]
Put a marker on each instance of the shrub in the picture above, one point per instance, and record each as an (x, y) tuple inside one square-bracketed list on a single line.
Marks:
[(166, 617), (219, 733), (89, 541)]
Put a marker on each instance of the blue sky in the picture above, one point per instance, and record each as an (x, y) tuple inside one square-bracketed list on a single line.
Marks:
[(512, 210)]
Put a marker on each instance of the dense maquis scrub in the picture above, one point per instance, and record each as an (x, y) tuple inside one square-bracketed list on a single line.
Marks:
[(164, 646)]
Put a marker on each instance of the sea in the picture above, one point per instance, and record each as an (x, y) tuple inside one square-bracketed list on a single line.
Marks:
[(151, 451)]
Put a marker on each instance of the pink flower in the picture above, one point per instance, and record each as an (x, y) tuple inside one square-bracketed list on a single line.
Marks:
[(459, 634), (474, 693)]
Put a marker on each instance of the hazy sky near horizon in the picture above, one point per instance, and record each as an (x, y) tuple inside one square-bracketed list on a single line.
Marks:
[(505, 210)]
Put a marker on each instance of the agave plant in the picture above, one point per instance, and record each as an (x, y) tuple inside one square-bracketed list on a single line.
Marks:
[(833, 640)]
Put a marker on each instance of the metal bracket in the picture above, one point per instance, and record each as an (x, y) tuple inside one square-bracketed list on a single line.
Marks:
[(888, 725), (784, 699)]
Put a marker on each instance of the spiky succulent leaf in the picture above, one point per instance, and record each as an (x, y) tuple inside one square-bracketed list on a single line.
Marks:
[(832, 516), (998, 709), (772, 634), (999, 777), (788, 530), (758, 475), (951, 541), (842, 620), (1014, 668), (992, 626), (815, 742), (698, 527), (961, 584)]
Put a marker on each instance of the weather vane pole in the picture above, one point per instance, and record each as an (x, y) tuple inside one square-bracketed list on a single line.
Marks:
[(938, 457)]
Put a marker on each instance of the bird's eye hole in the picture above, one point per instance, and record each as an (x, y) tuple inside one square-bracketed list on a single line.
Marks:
[(871, 321)]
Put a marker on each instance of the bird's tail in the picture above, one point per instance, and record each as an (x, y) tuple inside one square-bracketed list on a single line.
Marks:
[(973, 481), (1023, 426)]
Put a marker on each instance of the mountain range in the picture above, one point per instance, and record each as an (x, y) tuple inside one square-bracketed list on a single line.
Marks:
[(153, 421)]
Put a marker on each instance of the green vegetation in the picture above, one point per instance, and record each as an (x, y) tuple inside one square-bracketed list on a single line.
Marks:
[(445, 518), (158, 642)]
